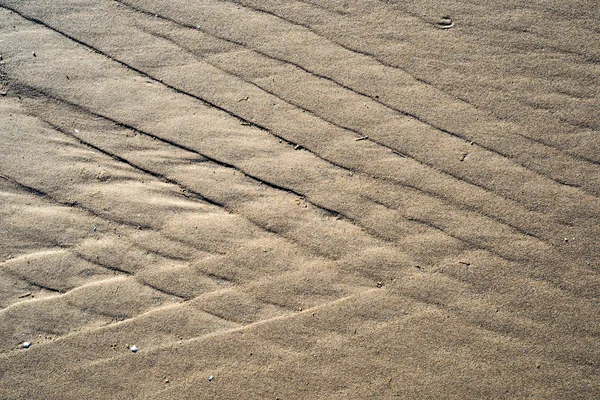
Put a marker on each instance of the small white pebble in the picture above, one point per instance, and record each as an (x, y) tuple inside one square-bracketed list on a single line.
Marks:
[(26, 345), (210, 378), (76, 130), (134, 349)]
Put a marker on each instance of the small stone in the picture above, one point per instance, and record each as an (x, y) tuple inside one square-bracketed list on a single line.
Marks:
[(133, 349), (211, 378), (26, 345)]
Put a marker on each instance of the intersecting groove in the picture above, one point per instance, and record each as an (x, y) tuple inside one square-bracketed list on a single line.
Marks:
[(366, 222), (75, 204), (33, 283), (275, 186), (259, 180), (192, 194)]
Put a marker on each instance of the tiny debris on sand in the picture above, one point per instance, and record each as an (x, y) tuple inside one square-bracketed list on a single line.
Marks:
[(348, 191), (445, 22)]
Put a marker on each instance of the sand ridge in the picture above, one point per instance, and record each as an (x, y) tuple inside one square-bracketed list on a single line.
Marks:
[(371, 207)]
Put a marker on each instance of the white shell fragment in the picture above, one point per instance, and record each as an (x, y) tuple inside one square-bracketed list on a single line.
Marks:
[(210, 378), (445, 22), (133, 349), (26, 345)]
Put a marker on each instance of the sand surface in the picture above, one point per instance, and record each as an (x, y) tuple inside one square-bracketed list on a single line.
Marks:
[(299, 199)]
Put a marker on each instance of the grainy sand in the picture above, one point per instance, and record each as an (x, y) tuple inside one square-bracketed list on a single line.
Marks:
[(300, 199)]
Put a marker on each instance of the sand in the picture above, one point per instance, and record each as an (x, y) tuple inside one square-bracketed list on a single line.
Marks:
[(299, 199)]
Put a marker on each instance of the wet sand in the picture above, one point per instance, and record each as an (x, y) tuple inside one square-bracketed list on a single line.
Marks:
[(299, 199)]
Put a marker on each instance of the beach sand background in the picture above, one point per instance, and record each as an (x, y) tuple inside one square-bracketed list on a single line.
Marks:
[(303, 199)]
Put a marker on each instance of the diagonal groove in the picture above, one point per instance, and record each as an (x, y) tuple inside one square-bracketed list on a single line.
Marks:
[(490, 27), (417, 299), (364, 137), (75, 205), (132, 68), (489, 313), (420, 119), (59, 294), (117, 270), (33, 282), (224, 164), (377, 100), (331, 212), (259, 180), (327, 210), (194, 194)]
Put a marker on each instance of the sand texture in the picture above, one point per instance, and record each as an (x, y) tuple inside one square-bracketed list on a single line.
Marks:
[(299, 199)]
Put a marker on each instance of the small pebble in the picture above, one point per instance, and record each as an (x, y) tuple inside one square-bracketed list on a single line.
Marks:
[(95, 229), (211, 378), (133, 349), (26, 345)]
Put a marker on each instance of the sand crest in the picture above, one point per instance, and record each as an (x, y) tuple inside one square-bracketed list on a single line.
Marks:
[(299, 199)]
